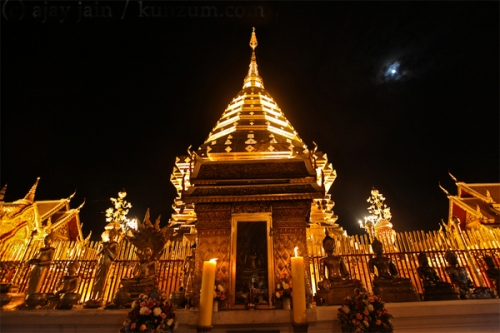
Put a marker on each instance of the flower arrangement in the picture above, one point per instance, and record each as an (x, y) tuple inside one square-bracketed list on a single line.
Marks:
[(151, 313), (364, 313), (219, 294), (284, 287)]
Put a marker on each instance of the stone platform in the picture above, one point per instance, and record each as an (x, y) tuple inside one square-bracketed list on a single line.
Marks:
[(432, 316)]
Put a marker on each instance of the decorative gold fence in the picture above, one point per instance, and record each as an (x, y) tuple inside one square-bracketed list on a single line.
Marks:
[(14, 268), (470, 246)]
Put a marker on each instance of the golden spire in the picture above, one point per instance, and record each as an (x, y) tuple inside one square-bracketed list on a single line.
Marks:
[(30, 196), (253, 78), (253, 40)]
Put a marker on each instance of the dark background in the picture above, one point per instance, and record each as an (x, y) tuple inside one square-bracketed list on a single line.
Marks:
[(105, 103)]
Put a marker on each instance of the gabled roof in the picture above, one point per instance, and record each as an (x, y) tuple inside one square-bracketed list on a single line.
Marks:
[(480, 201), (486, 192), (58, 212)]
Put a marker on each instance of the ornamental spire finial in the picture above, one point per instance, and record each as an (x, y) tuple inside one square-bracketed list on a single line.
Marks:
[(253, 40), (253, 78)]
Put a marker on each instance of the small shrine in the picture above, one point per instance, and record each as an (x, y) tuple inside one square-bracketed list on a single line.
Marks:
[(252, 188)]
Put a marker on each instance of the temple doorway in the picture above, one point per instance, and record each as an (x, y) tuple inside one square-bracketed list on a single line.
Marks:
[(252, 266)]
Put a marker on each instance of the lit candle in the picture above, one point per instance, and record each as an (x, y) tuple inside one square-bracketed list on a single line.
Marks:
[(207, 293), (299, 289)]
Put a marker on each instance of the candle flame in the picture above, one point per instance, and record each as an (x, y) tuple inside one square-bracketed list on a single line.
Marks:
[(296, 249), (213, 260)]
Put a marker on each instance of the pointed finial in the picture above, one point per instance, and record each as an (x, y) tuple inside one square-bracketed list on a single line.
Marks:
[(253, 40), (71, 196), (30, 196), (253, 78), (452, 177), (444, 190), (81, 206)]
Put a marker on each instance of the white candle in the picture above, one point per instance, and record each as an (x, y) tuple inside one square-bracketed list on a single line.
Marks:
[(207, 293), (299, 289)]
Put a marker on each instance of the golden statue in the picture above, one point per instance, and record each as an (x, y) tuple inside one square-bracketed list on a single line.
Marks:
[(338, 284), (386, 270), (67, 287), (144, 271), (387, 282), (108, 253), (41, 264), (335, 267)]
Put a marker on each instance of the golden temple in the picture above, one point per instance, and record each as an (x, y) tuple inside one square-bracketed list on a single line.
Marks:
[(253, 167), (250, 194)]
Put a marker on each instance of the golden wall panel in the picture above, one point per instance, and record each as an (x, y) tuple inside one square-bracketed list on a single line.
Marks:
[(212, 243)]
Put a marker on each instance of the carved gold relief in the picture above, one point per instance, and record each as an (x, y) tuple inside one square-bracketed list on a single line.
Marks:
[(212, 244), (251, 207), (285, 240)]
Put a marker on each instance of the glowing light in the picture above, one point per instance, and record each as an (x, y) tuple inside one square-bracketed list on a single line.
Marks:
[(131, 224), (392, 71), (296, 250), (213, 260)]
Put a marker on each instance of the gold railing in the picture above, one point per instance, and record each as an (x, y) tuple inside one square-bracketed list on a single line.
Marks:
[(14, 268), (470, 247)]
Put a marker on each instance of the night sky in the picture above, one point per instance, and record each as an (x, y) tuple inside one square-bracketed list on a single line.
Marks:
[(100, 104)]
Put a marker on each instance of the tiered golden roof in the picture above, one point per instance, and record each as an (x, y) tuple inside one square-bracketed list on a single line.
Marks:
[(253, 129), (252, 126)]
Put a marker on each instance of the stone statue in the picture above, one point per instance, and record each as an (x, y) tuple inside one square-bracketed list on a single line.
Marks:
[(41, 264), (458, 275), (338, 284), (387, 282), (434, 288), (108, 253), (493, 273)]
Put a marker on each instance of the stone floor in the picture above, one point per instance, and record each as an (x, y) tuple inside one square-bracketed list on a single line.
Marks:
[(436, 316)]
